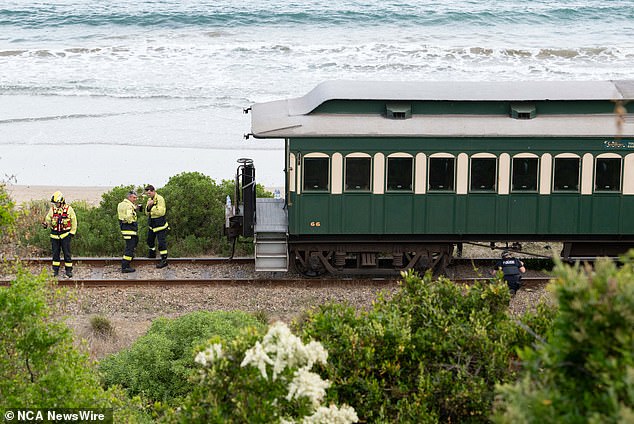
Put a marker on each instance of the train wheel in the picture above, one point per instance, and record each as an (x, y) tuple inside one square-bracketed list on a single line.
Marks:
[(309, 264)]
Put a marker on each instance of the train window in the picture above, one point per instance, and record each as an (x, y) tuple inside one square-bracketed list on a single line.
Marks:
[(524, 174), (483, 172), (399, 173), (357, 174), (608, 174), (566, 174), (441, 173), (316, 174)]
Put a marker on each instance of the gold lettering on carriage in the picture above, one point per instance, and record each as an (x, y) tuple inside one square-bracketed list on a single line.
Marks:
[(315, 223), (614, 144)]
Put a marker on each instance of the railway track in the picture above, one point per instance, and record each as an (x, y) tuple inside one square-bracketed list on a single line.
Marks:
[(202, 271)]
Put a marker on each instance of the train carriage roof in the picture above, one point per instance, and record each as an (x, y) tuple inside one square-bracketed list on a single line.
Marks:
[(297, 117)]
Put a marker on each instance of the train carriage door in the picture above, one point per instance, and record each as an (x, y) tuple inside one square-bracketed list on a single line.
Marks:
[(606, 209), (524, 199), (314, 202), (357, 195), (482, 216), (398, 199), (565, 199)]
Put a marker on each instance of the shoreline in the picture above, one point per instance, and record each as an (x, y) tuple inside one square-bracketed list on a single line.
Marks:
[(21, 193)]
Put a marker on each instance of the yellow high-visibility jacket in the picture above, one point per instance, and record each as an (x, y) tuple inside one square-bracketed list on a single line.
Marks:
[(62, 221), (158, 209), (126, 210)]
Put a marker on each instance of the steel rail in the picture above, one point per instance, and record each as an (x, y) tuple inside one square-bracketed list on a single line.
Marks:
[(207, 260), (528, 282)]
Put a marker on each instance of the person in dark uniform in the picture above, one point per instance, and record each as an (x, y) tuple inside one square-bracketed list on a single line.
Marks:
[(513, 269), (126, 211)]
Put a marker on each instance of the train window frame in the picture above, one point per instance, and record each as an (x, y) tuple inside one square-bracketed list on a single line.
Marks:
[(409, 187), (316, 157), (525, 156), (358, 157), (489, 158), (557, 170), (619, 179), (433, 158)]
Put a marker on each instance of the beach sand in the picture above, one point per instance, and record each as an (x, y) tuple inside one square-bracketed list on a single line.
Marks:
[(25, 193)]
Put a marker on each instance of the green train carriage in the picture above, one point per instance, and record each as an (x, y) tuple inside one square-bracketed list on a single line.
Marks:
[(383, 176)]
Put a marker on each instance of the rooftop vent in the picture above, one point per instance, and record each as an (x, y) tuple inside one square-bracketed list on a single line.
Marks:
[(523, 110), (398, 111)]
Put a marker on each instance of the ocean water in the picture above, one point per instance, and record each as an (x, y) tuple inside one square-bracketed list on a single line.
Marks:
[(123, 91)]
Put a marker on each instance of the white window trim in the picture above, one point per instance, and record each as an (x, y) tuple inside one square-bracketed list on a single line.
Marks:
[(504, 174), (526, 155), (545, 173), (461, 184), (420, 172), (400, 155), (292, 172), (378, 186), (628, 174), (337, 173), (587, 181)]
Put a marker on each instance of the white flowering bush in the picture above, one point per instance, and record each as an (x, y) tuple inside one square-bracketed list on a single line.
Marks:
[(267, 379)]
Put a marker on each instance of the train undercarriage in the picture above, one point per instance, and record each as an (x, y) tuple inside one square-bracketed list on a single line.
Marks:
[(314, 259)]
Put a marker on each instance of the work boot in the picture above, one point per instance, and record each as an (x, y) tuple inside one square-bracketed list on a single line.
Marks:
[(163, 262), (69, 272), (55, 272), (125, 267), (151, 253)]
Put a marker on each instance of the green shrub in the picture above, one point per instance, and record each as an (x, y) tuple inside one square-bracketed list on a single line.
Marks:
[(39, 365), (434, 352), (6, 209), (101, 326), (255, 379), (159, 363), (584, 371)]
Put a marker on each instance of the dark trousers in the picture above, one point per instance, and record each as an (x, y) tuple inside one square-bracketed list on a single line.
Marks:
[(161, 236), (130, 246), (513, 281), (61, 245)]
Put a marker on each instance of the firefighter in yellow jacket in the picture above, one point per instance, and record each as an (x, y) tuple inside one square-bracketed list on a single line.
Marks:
[(157, 225), (126, 211), (62, 221)]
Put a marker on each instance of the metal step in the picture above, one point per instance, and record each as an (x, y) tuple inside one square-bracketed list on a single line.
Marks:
[(271, 252)]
